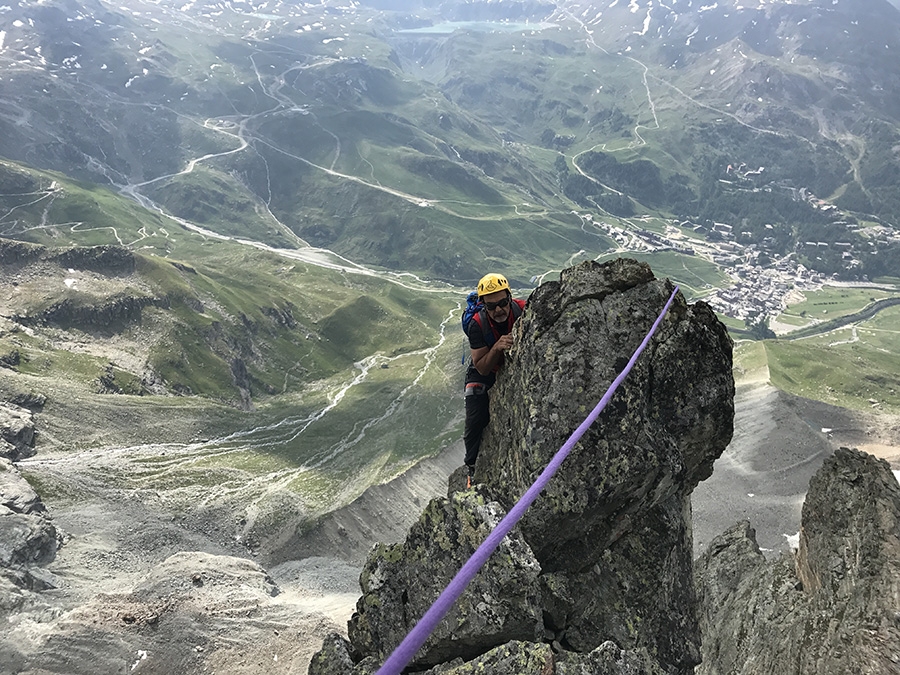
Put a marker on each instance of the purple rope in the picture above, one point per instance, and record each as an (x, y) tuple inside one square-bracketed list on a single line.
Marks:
[(404, 653)]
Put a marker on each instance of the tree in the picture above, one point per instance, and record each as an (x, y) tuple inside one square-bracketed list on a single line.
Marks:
[(760, 329)]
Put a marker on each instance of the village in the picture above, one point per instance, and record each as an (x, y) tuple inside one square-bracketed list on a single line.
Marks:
[(764, 282)]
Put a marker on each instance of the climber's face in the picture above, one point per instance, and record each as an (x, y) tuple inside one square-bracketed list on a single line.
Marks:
[(497, 305)]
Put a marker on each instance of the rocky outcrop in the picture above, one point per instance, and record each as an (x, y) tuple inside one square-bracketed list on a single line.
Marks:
[(19, 252), (834, 606), (400, 581), (123, 308), (609, 541), (106, 260), (660, 434), (102, 259), (28, 538), (15, 492), (16, 432)]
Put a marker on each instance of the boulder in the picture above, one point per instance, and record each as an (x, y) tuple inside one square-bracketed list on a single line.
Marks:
[(658, 437), (400, 582), (600, 574), (27, 536), (834, 607), (16, 432), (26, 539), (15, 492)]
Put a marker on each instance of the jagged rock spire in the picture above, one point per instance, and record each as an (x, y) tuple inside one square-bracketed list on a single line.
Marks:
[(832, 608), (604, 555)]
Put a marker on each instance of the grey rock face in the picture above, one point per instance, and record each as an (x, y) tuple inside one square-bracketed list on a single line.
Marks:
[(659, 435), (639, 594), (834, 607), (16, 432), (401, 581), (28, 540), (27, 537), (15, 492), (601, 575)]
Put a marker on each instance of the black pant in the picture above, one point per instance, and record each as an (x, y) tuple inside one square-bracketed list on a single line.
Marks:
[(478, 415)]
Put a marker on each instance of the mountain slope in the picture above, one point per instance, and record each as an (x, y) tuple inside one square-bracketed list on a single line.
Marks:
[(292, 120)]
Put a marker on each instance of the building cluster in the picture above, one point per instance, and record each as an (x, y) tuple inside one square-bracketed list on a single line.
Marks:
[(640, 240), (762, 292), (763, 277)]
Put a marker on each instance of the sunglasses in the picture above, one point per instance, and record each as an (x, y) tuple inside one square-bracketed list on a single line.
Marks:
[(491, 306)]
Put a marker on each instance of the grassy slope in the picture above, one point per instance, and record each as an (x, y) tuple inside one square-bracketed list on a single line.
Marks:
[(853, 366), (350, 383)]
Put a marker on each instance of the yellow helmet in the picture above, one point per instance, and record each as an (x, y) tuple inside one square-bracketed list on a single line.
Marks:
[(491, 283)]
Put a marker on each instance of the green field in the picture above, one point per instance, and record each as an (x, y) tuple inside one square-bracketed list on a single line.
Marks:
[(831, 302), (855, 375), (750, 362)]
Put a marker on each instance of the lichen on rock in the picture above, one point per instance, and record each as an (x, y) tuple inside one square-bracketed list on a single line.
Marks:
[(401, 581)]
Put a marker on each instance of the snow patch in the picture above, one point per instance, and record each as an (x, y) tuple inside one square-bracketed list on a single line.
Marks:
[(793, 540), (141, 656), (646, 25)]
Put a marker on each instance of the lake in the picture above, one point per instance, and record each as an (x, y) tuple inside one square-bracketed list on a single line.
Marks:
[(448, 27)]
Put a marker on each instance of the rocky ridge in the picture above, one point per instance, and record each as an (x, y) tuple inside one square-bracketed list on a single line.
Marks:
[(600, 568), (833, 606), (623, 596)]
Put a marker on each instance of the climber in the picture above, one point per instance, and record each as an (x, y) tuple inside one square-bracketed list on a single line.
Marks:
[(489, 339)]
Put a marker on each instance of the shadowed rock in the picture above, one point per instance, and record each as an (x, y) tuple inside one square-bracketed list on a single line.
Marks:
[(832, 608)]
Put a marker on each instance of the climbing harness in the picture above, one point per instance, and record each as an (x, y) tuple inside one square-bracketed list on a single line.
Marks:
[(405, 651), (475, 389)]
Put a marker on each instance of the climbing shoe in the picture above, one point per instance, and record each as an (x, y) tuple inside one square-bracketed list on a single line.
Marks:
[(470, 475)]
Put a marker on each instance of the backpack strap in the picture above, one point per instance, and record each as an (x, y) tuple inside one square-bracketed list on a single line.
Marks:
[(487, 329)]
